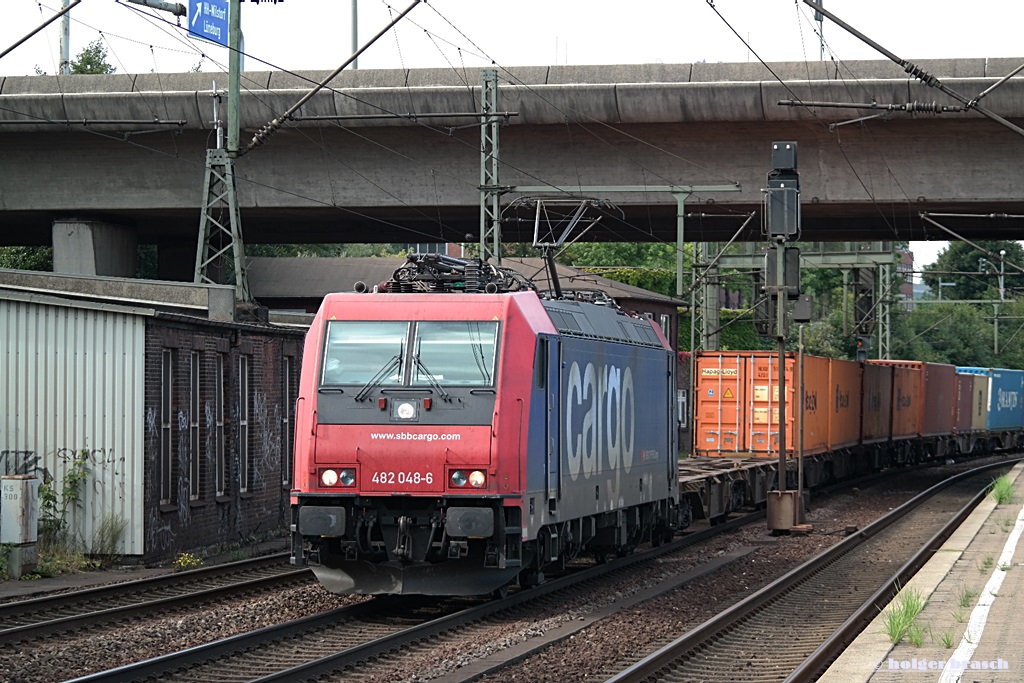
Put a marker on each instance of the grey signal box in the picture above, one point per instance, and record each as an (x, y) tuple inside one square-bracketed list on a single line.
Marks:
[(782, 199), (784, 156)]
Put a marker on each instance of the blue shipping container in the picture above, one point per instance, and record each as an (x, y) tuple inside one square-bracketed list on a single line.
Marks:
[(1006, 389)]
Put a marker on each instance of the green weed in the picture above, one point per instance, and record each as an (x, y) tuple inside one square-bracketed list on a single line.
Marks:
[(900, 616), (106, 538), (915, 634), (1002, 490), (947, 639), (965, 596)]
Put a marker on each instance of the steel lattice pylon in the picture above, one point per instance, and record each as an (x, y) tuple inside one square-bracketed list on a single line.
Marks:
[(704, 312), (220, 242), (886, 285), (490, 189)]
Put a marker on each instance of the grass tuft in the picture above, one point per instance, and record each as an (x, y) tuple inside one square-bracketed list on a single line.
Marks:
[(900, 616), (1002, 490)]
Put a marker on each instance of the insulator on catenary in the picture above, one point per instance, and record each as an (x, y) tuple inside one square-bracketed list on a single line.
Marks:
[(920, 74), (473, 276), (932, 107), (264, 133)]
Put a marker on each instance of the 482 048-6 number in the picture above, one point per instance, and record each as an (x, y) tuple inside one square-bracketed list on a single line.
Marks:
[(392, 477)]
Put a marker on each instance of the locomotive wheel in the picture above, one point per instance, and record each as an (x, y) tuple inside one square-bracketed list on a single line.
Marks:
[(500, 593)]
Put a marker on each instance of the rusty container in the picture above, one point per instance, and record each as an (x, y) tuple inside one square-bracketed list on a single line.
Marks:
[(940, 398), (876, 403), (964, 401), (934, 398), (845, 405), (906, 401)]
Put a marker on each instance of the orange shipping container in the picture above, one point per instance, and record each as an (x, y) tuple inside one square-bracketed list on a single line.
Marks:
[(718, 404), (736, 406), (844, 404)]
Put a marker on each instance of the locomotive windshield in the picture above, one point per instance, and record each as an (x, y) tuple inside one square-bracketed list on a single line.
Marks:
[(357, 350), (447, 353), (455, 353)]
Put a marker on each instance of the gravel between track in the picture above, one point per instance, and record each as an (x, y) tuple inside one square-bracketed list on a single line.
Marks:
[(579, 658)]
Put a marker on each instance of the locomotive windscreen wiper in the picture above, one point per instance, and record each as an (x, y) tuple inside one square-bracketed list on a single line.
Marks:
[(379, 377), (430, 377)]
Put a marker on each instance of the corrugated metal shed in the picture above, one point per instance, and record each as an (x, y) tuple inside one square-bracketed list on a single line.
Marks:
[(71, 389)]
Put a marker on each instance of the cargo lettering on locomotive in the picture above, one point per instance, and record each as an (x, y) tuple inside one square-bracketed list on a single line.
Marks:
[(605, 398)]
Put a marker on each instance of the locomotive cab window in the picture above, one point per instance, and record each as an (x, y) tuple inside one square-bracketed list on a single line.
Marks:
[(356, 351), (454, 353)]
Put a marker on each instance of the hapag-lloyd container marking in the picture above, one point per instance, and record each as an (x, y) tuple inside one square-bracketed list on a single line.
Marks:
[(608, 428), (1007, 400)]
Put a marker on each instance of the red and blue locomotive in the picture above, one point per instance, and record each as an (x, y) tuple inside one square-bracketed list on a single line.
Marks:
[(456, 432)]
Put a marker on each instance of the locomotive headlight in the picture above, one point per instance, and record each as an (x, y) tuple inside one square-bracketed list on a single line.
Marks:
[(477, 479), (348, 477), (329, 477), (405, 410), (458, 478)]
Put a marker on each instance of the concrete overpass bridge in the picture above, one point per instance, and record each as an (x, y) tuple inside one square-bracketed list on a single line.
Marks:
[(128, 151)]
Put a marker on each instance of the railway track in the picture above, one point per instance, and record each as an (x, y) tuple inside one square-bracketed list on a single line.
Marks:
[(794, 627), (334, 643), (66, 612)]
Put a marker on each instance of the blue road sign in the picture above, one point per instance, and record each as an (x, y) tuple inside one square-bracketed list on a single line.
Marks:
[(209, 20)]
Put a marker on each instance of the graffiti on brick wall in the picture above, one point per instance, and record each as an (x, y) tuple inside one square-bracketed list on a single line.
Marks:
[(267, 460), (184, 468), (211, 433), (152, 429), (159, 533)]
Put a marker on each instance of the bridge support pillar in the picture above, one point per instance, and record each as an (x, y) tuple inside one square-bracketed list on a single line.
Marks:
[(82, 247)]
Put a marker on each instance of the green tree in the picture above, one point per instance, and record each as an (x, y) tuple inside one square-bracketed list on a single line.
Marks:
[(974, 273), (27, 258), (92, 60), (323, 250), (620, 254)]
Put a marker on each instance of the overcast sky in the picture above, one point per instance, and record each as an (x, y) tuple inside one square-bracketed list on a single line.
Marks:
[(317, 34)]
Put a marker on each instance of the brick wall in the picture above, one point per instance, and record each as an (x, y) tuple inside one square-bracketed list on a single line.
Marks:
[(217, 472)]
